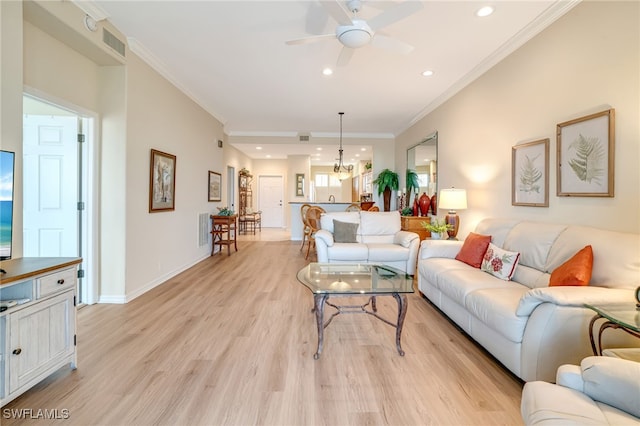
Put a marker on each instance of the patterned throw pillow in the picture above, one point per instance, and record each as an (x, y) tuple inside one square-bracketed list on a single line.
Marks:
[(500, 263)]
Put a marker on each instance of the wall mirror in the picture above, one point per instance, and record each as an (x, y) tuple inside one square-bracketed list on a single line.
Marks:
[(423, 158)]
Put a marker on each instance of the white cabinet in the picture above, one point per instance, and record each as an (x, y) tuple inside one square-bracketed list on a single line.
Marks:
[(39, 336)]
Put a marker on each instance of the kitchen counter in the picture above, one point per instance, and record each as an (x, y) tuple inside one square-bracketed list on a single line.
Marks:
[(296, 219)]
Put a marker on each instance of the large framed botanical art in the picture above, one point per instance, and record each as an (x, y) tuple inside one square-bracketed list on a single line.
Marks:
[(162, 182), (585, 164), (215, 186), (530, 174)]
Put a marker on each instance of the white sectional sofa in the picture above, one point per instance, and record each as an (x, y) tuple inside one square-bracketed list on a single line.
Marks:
[(528, 326), (377, 238), (600, 391)]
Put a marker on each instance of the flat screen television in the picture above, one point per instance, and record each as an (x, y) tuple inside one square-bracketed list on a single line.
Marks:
[(7, 163)]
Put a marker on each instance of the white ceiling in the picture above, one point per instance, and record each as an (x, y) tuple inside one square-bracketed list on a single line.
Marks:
[(231, 58)]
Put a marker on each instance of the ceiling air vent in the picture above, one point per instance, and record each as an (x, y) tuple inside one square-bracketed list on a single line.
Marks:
[(304, 137), (113, 42)]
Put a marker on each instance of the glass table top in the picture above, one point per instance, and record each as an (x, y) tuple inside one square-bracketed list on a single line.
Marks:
[(625, 314), (342, 278)]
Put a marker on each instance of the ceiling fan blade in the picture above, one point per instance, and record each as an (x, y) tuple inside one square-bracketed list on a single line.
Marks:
[(345, 56), (395, 14), (337, 12), (310, 39), (391, 44)]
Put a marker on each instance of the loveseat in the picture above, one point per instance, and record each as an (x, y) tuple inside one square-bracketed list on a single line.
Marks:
[(530, 327), (366, 237), (600, 391)]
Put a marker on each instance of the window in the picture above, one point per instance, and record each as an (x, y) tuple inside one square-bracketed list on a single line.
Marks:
[(324, 180)]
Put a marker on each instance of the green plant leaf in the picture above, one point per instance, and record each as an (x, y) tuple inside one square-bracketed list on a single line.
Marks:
[(529, 175)]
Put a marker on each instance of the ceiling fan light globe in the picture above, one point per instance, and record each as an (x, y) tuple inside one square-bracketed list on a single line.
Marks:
[(357, 35)]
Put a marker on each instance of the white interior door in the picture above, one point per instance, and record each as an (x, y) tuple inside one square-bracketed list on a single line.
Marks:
[(271, 197), (50, 173)]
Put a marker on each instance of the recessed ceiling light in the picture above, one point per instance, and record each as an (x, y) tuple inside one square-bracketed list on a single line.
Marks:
[(357, 155), (268, 156), (327, 71), (363, 149), (258, 147), (319, 148), (427, 73), (484, 11)]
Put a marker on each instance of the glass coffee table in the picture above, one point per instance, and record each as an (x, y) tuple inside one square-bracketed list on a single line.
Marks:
[(622, 316), (326, 280)]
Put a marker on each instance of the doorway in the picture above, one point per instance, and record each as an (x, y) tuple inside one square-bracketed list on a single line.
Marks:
[(271, 193), (57, 187)]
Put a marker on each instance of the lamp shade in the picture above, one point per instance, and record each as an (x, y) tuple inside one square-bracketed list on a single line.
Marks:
[(452, 199)]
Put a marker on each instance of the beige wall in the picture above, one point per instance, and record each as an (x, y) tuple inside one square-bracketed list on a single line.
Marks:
[(585, 62), (139, 110)]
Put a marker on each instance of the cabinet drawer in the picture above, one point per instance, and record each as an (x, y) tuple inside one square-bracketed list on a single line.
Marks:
[(56, 282)]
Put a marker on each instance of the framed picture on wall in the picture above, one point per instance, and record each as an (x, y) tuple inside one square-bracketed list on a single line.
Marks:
[(585, 165), (215, 186), (162, 182), (530, 174), (299, 185)]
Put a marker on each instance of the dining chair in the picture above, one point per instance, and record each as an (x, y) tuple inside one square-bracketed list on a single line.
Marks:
[(354, 207), (313, 220), (306, 231)]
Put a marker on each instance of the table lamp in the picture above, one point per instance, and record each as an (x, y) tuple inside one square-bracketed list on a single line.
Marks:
[(452, 199)]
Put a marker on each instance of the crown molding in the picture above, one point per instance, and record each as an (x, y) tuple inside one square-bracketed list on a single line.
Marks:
[(145, 54), (542, 21), (92, 9)]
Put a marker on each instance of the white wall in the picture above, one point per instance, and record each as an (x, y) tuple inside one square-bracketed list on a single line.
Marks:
[(585, 62)]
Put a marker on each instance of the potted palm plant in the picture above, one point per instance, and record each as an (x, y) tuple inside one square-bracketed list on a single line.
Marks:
[(412, 183), (386, 182)]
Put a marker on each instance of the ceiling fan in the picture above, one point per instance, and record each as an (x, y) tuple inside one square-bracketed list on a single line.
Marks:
[(353, 32)]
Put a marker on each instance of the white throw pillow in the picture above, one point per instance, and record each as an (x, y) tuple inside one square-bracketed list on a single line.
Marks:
[(500, 263)]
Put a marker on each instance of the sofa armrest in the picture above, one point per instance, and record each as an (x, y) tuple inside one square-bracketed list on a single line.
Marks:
[(404, 238), (570, 376), (614, 381), (439, 248), (325, 236), (575, 296)]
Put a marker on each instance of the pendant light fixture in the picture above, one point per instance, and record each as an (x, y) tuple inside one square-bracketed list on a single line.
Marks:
[(341, 170)]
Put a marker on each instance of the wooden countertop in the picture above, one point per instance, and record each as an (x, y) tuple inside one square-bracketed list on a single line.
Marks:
[(26, 267)]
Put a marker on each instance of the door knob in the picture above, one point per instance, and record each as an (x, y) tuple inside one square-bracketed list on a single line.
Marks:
[(17, 351)]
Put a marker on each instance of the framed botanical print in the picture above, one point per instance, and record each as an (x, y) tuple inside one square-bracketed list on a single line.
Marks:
[(585, 166), (299, 185), (215, 186), (162, 182), (530, 174)]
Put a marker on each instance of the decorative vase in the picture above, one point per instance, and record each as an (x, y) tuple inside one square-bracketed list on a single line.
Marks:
[(436, 236), (434, 205), (416, 207), (424, 204), (386, 199)]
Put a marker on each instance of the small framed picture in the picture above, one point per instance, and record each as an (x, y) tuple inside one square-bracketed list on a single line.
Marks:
[(162, 182), (299, 185), (530, 174), (586, 156), (215, 186)]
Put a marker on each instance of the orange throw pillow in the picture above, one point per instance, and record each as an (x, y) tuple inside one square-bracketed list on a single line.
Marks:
[(473, 249), (575, 271)]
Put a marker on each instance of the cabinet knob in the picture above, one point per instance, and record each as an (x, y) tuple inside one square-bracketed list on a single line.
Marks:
[(17, 351), (61, 281)]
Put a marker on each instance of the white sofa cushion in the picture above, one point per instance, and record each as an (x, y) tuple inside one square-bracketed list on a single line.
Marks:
[(380, 223), (615, 255), (496, 308), (533, 241), (613, 381), (386, 252), (348, 252)]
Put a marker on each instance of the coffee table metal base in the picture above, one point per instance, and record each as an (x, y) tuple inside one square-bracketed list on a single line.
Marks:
[(322, 299)]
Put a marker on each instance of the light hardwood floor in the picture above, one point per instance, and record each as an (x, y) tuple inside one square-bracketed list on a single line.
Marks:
[(231, 342)]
